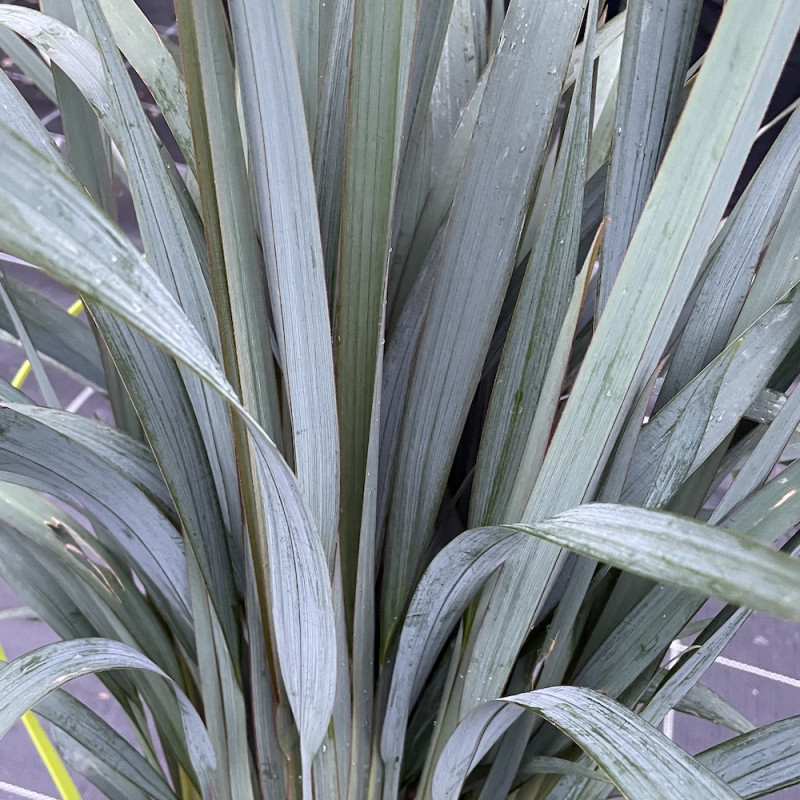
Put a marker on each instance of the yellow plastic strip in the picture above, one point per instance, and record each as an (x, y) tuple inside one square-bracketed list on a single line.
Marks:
[(75, 308), (25, 369), (50, 758), (22, 375)]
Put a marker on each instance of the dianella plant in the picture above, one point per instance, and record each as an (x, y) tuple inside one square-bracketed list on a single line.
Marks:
[(450, 377)]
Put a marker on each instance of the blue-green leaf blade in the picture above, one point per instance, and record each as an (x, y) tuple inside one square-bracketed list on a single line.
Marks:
[(642, 762)]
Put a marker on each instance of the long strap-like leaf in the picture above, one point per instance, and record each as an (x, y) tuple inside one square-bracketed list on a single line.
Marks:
[(47, 219), (380, 62), (478, 253), (287, 208), (676, 227), (640, 760)]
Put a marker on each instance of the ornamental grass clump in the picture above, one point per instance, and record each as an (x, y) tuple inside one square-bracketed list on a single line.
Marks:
[(446, 383)]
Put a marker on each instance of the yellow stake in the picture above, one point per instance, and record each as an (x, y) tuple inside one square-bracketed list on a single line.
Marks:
[(25, 368), (50, 758)]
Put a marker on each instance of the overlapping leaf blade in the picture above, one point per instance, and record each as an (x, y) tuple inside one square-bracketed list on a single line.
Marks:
[(697, 420), (642, 762), (302, 607), (286, 201), (733, 261), (362, 712), (48, 220), (85, 251), (129, 457), (149, 56), (98, 752), (237, 273), (297, 637), (702, 558), (478, 253), (705, 703), (655, 56), (642, 309), (452, 579), (111, 602), (380, 61), (61, 337), (54, 463), (329, 141), (758, 763), (29, 62), (528, 383), (29, 678)]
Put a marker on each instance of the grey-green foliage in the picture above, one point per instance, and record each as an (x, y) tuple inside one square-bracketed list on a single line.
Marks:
[(287, 543)]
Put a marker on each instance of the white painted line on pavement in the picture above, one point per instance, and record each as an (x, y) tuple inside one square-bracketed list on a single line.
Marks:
[(751, 669), (20, 791)]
